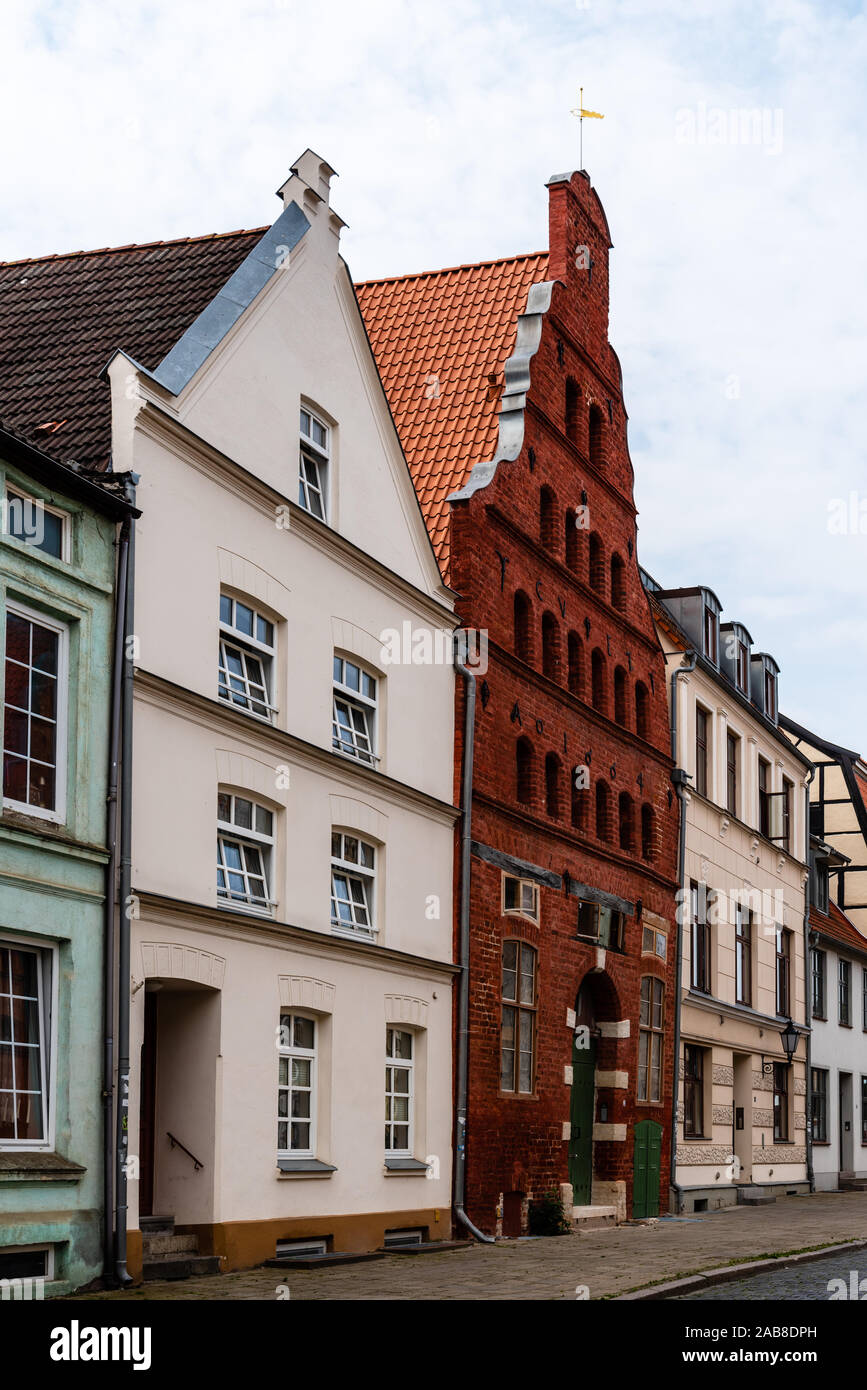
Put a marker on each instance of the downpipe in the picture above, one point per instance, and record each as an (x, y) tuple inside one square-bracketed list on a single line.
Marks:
[(460, 1155), (680, 778), (808, 988)]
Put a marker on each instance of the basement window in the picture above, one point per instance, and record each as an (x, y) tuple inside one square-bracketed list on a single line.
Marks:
[(407, 1237), (27, 1262), (286, 1249)]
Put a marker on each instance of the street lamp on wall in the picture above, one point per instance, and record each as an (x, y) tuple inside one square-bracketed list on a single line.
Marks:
[(789, 1037)]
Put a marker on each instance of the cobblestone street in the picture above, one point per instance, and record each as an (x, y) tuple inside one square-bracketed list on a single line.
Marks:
[(608, 1262), (809, 1281)]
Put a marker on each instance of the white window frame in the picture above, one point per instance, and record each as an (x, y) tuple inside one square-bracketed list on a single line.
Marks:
[(265, 843), (356, 700), (362, 873), (57, 815), (320, 457), (19, 494), (46, 1250), (266, 655), (657, 938), (48, 992), (527, 888), (289, 1051), (393, 1063)]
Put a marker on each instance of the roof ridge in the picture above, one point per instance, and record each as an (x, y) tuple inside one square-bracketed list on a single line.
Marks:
[(137, 246), (449, 269)]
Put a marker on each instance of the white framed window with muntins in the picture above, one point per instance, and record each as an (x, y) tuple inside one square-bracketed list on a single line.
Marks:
[(36, 523), (314, 464), (246, 661), (245, 848), (28, 981), (36, 698), (353, 885), (296, 1090), (353, 725), (399, 1058)]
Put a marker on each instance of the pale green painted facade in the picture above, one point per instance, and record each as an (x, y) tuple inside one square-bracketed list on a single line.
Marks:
[(52, 888)]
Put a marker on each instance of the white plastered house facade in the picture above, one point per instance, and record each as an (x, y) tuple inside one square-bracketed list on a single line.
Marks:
[(741, 1121), (293, 826)]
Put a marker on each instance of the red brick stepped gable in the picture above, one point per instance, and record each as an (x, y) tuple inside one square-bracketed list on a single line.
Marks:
[(505, 542)]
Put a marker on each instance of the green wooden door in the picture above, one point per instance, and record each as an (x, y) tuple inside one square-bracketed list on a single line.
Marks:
[(645, 1168), (581, 1137)]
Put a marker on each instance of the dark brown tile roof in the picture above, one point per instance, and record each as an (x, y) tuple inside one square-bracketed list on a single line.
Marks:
[(836, 924), (62, 318)]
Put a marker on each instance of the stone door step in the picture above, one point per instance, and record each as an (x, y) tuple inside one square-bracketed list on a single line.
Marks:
[(179, 1266), (852, 1184), (427, 1247), (754, 1197), (587, 1218)]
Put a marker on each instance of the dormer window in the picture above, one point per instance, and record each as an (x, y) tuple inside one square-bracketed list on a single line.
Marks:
[(742, 669), (314, 460), (770, 694), (711, 634)]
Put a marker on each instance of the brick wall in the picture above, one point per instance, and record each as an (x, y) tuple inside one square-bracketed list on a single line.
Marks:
[(513, 537)]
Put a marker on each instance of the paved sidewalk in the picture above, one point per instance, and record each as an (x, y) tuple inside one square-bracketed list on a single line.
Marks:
[(609, 1261)]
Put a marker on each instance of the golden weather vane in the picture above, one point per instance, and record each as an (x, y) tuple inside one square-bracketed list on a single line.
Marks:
[(581, 113)]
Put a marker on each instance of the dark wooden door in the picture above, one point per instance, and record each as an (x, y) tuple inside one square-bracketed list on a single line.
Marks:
[(147, 1113), (647, 1153), (581, 1131)]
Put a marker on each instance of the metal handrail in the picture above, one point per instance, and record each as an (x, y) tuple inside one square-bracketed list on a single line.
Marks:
[(176, 1143)]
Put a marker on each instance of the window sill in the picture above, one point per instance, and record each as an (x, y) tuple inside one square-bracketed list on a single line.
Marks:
[(349, 935), (38, 1165), (304, 1168), (405, 1168), (249, 909)]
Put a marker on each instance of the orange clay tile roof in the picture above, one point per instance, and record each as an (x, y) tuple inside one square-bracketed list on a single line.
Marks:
[(837, 925), (62, 318), (441, 340)]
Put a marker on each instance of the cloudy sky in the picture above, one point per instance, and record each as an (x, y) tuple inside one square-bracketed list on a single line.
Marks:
[(738, 276)]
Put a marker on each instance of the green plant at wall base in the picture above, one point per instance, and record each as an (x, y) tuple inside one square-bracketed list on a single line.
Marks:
[(546, 1216)]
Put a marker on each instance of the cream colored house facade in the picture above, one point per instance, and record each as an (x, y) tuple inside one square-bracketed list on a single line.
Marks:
[(293, 826), (741, 1122)]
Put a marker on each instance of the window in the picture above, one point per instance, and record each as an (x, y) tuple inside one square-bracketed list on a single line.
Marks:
[(650, 1039), (654, 943), (296, 1090), (313, 465), (619, 695), (547, 522), (550, 647), (711, 634), (398, 1091), (353, 869), (518, 1017), (770, 694), (648, 833), (246, 658), (782, 961), (693, 1092), (700, 938), (523, 648), (604, 926), (819, 1104), (618, 584), (353, 726), (701, 718), (245, 842), (742, 669), (25, 1031), (732, 750), (764, 798), (821, 887), (34, 725), (573, 396), (596, 437), (743, 954), (641, 709), (781, 1102), (524, 771), (31, 520), (573, 548), (626, 821), (603, 811), (818, 961), (520, 897), (597, 680), (575, 675), (844, 992), (788, 790), (597, 564), (864, 1109)]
